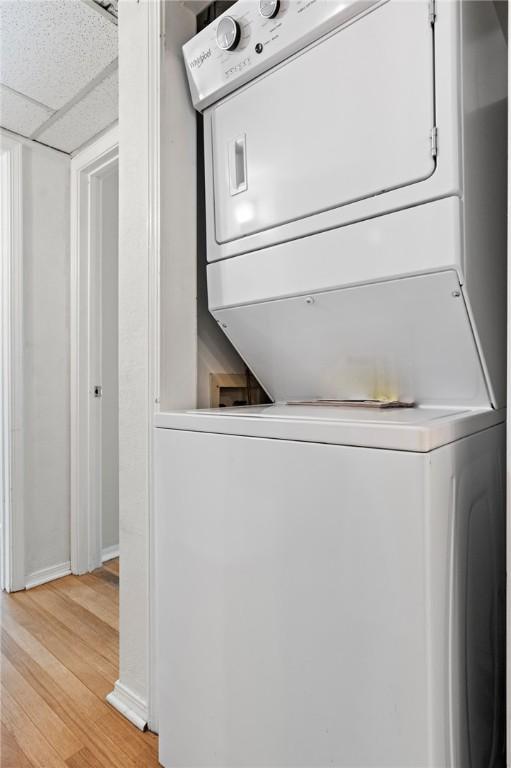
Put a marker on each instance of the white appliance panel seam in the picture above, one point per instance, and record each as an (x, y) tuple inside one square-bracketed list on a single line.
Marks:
[(347, 445), (378, 215)]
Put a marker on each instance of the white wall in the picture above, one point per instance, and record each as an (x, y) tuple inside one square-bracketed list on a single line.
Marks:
[(142, 176), (46, 358), (178, 218), (109, 362), (133, 350)]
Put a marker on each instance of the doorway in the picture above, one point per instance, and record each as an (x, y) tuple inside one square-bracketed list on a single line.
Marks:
[(104, 357), (94, 355), (12, 539)]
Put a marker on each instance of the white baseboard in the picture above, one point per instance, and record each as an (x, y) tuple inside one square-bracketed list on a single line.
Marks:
[(110, 553), (129, 704), (48, 574)]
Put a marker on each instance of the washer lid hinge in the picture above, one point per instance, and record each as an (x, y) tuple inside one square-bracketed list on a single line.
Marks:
[(434, 141), (432, 11)]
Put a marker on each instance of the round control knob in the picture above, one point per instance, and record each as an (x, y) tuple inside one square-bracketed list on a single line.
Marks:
[(228, 33), (269, 8)]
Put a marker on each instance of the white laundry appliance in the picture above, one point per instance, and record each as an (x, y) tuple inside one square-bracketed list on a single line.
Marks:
[(331, 580)]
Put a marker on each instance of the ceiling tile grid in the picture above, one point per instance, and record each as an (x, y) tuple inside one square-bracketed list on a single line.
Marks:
[(19, 114), (111, 6), (56, 58), (88, 117)]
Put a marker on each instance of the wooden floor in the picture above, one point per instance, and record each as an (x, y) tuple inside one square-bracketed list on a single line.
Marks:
[(58, 661)]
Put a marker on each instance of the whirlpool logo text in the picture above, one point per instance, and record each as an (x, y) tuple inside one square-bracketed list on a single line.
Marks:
[(199, 60)]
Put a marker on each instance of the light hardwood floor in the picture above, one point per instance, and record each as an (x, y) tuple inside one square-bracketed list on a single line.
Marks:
[(59, 659)]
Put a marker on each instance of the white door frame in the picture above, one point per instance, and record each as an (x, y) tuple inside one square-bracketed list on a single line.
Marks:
[(158, 148), (154, 55), (12, 577), (87, 168)]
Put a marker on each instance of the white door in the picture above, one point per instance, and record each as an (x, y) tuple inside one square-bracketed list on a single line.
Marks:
[(104, 386), (109, 364), (349, 118)]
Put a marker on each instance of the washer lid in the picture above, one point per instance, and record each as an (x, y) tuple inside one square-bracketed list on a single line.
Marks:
[(408, 339), (409, 429)]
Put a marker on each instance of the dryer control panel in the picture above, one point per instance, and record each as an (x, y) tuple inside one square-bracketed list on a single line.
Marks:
[(255, 35)]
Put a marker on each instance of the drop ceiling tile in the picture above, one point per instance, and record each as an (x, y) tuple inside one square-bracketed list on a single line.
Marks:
[(97, 110), (51, 49), (19, 114)]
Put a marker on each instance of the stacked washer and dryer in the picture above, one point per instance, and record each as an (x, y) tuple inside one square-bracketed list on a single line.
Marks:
[(331, 580)]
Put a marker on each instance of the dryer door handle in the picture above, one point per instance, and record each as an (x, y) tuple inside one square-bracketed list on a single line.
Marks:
[(238, 165)]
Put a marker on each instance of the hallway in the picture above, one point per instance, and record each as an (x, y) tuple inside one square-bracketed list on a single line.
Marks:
[(59, 660)]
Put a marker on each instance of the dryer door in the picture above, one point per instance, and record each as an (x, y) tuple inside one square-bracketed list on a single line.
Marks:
[(349, 118)]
